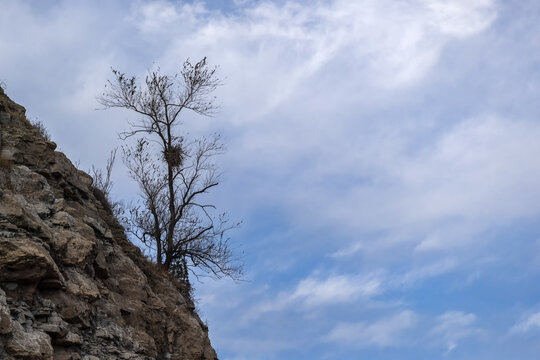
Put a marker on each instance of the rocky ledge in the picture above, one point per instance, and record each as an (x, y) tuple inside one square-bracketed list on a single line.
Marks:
[(71, 284)]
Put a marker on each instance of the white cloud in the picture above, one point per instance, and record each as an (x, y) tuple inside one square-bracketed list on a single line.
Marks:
[(405, 328), (387, 332), (462, 17), (434, 269), (530, 323), (336, 289), (453, 327), (159, 17), (476, 175), (313, 292), (387, 43), (258, 347)]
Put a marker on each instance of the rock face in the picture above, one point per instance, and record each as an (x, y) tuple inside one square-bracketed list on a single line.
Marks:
[(71, 284)]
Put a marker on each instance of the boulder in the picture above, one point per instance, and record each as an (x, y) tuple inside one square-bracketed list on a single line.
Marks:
[(5, 318), (73, 247), (31, 344), (25, 260)]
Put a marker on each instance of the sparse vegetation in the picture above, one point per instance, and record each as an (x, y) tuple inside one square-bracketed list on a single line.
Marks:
[(103, 184), (41, 129), (98, 194)]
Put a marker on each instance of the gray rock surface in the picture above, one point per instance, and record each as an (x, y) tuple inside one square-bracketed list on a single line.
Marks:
[(71, 284)]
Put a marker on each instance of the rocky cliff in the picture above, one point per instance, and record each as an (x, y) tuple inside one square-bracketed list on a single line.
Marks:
[(71, 284)]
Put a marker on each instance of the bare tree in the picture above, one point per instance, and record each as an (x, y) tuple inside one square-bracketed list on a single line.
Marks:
[(174, 173)]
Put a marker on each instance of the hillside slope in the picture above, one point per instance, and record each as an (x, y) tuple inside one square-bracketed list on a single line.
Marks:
[(71, 285)]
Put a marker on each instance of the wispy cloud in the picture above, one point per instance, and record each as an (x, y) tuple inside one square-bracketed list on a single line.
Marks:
[(437, 197), (336, 289), (453, 327), (529, 323), (390, 43), (386, 332), (314, 291), (429, 271), (462, 17)]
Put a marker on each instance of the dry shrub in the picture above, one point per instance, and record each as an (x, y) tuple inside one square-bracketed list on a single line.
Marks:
[(41, 129), (151, 268), (102, 199)]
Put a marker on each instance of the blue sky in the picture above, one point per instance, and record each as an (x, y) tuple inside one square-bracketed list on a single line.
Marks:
[(381, 153)]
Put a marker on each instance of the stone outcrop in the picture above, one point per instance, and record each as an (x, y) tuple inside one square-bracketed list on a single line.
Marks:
[(71, 284)]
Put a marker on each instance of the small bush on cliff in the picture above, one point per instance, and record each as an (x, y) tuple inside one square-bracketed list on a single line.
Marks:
[(41, 129), (98, 194), (103, 185)]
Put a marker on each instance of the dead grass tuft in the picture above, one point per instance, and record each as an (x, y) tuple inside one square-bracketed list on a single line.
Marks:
[(151, 268), (102, 199)]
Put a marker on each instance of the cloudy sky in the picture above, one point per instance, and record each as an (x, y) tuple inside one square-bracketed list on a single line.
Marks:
[(382, 155)]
